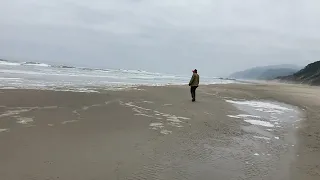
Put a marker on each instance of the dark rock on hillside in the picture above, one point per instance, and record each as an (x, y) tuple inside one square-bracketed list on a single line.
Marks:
[(308, 75)]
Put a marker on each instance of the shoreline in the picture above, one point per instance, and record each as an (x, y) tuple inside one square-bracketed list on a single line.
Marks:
[(306, 98), (158, 125)]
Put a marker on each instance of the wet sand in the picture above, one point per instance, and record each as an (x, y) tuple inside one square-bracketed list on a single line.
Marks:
[(235, 131)]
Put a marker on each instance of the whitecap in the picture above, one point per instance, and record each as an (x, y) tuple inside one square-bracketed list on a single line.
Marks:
[(6, 63)]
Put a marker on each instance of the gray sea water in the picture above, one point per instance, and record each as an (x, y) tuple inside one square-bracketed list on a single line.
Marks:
[(33, 75)]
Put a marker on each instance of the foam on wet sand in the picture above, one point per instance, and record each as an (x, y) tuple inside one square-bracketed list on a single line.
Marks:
[(260, 137), (259, 123), (24, 120), (171, 120), (3, 130), (268, 106)]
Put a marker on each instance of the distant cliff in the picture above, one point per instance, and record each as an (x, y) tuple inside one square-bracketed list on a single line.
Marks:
[(308, 75), (265, 72)]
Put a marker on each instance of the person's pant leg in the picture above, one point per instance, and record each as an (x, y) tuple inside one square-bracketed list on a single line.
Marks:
[(193, 88), (194, 93)]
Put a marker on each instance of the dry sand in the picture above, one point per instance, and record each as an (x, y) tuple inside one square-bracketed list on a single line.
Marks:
[(155, 133)]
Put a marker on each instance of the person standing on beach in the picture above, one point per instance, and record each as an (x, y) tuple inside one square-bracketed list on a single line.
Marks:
[(194, 83)]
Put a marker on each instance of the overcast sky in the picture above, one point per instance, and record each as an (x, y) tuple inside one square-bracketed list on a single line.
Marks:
[(215, 36)]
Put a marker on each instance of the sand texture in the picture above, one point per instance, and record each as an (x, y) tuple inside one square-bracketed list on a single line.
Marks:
[(232, 132)]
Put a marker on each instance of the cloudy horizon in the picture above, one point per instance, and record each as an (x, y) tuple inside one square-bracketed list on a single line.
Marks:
[(217, 37)]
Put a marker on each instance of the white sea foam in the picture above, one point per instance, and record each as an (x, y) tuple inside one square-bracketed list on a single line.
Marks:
[(5, 63), (243, 116), (141, 114), (248, 115), (148, 102), (164, 131), (24, 120), (183, 118), (71, 121), (35, 64), (256, 154), (272, 111), (262, 106), (14, 112), (12, 71), (212, 114), (171, 120), (85, 108), (3, 130), (260, 137), (259, 123), (174, 124), (234, 116), (8, 78), (156, 125), (174, 119)]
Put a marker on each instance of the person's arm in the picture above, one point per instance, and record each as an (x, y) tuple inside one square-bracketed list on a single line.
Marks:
[(192, 79)]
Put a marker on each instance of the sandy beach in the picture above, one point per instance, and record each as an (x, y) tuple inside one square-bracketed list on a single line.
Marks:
[(233, 132)]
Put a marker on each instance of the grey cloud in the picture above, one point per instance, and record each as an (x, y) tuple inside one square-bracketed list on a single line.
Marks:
[(215, 36)]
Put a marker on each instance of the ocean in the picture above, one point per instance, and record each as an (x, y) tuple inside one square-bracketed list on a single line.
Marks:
[(34, 75)]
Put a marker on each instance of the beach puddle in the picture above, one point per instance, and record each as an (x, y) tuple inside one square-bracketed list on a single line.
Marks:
[(266, 113), (270, 127)]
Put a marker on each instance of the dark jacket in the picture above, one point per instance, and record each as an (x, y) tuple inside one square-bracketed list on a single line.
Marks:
[(194, 80)]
